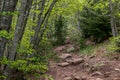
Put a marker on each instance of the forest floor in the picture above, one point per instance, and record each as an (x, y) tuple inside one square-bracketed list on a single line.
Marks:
[(73, 66)]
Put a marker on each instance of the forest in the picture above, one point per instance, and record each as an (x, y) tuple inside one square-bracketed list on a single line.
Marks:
[(59, 39)]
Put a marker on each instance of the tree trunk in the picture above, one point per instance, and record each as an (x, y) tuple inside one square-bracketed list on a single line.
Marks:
[(43, 30), (78, 24), (42, 20), (112, 21), (6, 20), (20, 27), (19, 31), (5, 23), (34, 17)]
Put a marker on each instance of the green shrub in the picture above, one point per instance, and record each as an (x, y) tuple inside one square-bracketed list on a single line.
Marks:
[(95, 25), (60, 31), (115, 44), (25, 67), (87, 50), (36, 65)]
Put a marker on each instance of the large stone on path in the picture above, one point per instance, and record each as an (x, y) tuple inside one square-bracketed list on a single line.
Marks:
[(72, 78), (68, 78), (76, 78), (70, 49), (83, 78), (60, 48), (97, 73), (75, 61), (117, 69), (117, 79), (64, 64), (99, 79), (65, 56)]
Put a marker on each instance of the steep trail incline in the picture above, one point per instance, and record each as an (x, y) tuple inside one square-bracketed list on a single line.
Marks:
[(72, 66)]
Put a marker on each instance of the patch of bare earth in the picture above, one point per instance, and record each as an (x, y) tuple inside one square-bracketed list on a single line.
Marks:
[(76, 67)]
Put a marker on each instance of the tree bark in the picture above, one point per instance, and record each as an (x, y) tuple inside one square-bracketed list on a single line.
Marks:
[(112, 21), (5, 23), (20, 27), (19, 31), (6, 20), (42, 20), (43, 30), (34, 17), (78, 24)]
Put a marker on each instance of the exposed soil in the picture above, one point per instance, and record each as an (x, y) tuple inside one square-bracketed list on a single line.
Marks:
[(93, 67)]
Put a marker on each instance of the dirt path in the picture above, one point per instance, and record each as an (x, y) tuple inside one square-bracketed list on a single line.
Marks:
[(72, 66)]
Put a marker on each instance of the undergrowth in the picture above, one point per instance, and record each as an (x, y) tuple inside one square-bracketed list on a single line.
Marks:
[(86, 50), (93, 49)]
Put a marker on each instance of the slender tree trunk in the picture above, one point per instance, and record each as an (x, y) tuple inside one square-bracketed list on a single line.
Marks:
[(5, 23), (116, 29), (6, 20), (34, 14), (45, 23), (19, 31), (78, 24), (112, 21), (42, 20), (43, 30), (20, 27), (0, 6), (34, 17)]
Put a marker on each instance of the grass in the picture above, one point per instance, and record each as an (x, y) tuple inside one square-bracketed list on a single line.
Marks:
[(92, 49), (87, 50)]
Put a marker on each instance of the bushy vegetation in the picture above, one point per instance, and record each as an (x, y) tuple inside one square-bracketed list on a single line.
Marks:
[(28, 35), (95, 23), (60, 31)]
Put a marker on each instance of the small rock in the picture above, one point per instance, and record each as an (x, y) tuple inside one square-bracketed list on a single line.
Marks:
[(89, 42), (60, 48), (116, 57), (107, 74), (83, 78), (53, 66), (70, 49), (68, 78), (98, 79), (76, 78), (81, 56), (95, 67), (64, 64), (65, 56), (117, 79), (67, 40), (96, 74), (92, 56), (116, 69), (75, 61), (86, 65)]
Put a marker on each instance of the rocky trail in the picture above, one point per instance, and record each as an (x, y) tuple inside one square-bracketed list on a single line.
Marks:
[(73, 66)]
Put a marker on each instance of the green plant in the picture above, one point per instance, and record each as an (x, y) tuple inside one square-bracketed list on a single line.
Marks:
[(94, 24), (2, 77), (115, 44), (27, 66), (48, 77), (5, 34), (60, 31), (86, 50)]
